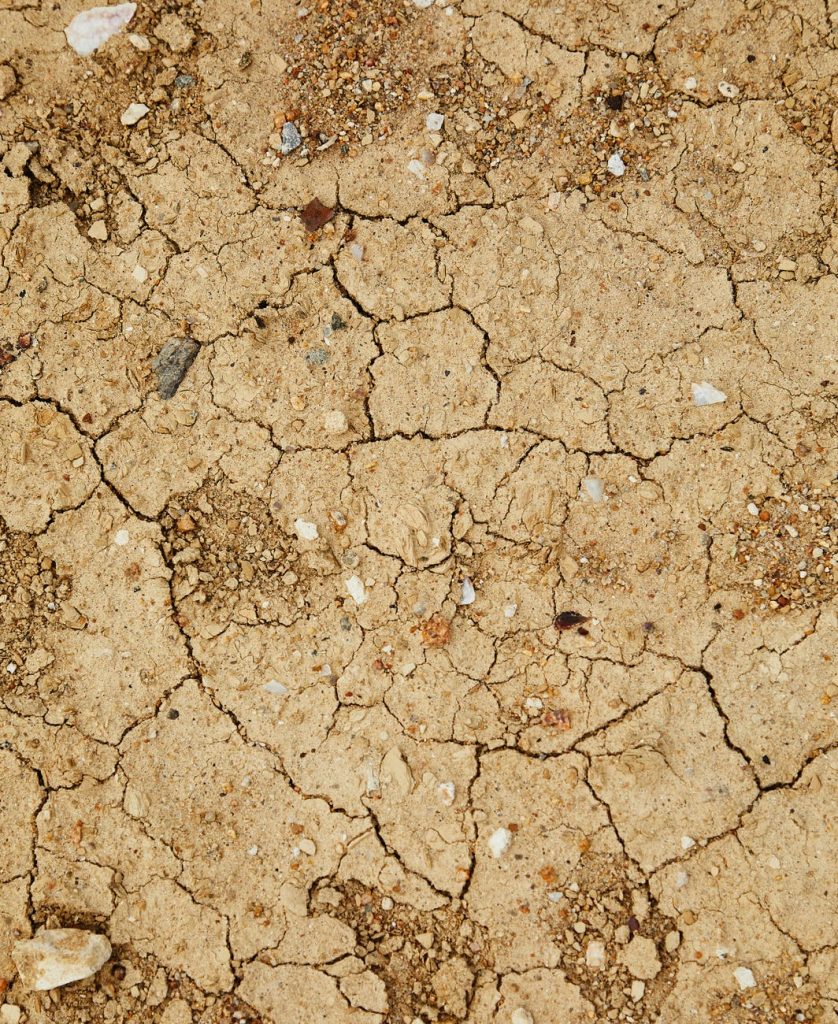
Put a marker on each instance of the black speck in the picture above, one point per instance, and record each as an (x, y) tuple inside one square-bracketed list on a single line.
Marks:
[(615, 101), (337, 323), (172, 713)]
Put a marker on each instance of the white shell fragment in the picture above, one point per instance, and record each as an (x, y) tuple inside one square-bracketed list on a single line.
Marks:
[(434, 122), (706, 394), (745, 978), (91, 29), (594, 488), (357, 590), (305, 531), (133, 113), (728, 89), (467, 596), (616, 165), (499, 842), (57, 956)]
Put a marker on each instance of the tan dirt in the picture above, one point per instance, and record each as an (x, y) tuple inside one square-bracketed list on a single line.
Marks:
[(431, 655)]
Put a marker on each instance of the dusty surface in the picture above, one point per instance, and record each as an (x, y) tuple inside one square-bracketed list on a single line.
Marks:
[(429, 655)]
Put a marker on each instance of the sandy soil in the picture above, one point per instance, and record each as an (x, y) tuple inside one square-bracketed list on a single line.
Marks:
[(431, 654)]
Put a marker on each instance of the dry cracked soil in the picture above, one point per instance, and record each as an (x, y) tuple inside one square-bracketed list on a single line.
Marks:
[(443, 627)]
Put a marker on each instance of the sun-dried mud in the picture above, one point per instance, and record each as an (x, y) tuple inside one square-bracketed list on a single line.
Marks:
[(407, 644)]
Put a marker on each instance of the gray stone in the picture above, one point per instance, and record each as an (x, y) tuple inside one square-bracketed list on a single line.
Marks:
[(171, 364), (291, 138)]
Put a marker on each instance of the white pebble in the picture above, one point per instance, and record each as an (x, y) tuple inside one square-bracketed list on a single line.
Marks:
[(58, 956), (499, 842), (357, 590), (335, 422), (133, 113), (467, 596), (745, 978), (706, 394), (446, 791), (417, 169), (305, 530), (594, 488), (687, 842), (91, 29), (753, 509), (11, 668), (690, 83), (275, 687), (638, 990), (121, 538), (520, 1015), (434, 122), (509, 610), (595, 955), (616, 165), (728, 89), (357, 251), (423, 4), (139, 41)]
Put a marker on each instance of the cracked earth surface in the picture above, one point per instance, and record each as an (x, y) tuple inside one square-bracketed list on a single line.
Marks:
[(430, 655)]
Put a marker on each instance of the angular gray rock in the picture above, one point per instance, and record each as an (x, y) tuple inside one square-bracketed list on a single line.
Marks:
[(171, 364)]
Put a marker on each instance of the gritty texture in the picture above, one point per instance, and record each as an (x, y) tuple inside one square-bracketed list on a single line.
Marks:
[(389, 634)]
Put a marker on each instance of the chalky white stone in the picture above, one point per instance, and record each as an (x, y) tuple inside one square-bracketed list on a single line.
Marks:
[(91, 29), (58, 956), (706, 394)]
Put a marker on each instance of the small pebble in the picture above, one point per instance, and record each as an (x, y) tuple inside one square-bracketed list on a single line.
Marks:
[(745, 978), (706, 394), (172, 362), (58, 956), (595, 955), (728, 90), (499, 841), (336, 422), (467, 595), (93, 28), (593, 488), (305, 530), (520, 1015), (434, 122), (690, 83), (291, 138), (357, 590), (133, 113), (616, 165)]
